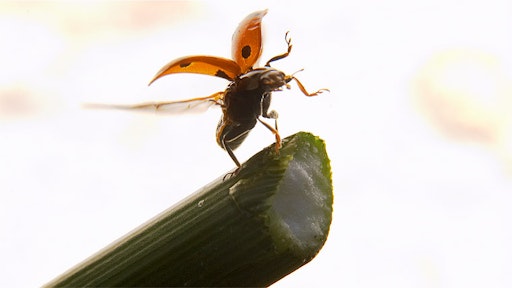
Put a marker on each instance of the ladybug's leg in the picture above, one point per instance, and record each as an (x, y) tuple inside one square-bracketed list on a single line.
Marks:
[(275, 132), (230, 152), (272, 115), (226, 145), (289, 78), (230, 135), (284, 55), (265, 104)]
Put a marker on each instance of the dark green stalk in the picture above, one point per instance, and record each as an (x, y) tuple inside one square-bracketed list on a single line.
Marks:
[(250, 229)]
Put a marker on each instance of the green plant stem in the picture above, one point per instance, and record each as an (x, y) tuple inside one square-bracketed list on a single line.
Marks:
[(247, 229)]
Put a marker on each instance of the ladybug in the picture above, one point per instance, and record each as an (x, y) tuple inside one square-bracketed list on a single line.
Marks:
[(248, 95)]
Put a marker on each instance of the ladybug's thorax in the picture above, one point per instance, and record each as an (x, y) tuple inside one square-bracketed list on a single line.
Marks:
[(265, 79), (249, 95)]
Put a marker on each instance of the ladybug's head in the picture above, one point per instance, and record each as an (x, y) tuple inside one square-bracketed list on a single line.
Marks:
[(267, 79), (272, 79)]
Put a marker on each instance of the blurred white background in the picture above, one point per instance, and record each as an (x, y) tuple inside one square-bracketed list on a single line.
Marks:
[(417, 125)]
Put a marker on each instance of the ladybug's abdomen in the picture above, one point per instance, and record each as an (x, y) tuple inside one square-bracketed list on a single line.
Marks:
[(241, 109), (245, 100)]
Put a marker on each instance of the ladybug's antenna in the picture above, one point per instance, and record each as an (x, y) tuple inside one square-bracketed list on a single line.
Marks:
[(289, 78), (300, 70)]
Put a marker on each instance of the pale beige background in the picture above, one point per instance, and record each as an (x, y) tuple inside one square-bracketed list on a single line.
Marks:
[(417, 124)]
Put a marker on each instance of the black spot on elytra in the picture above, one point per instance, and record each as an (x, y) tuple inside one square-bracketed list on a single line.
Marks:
[(222, 74), (246, 51), (184, 65)]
